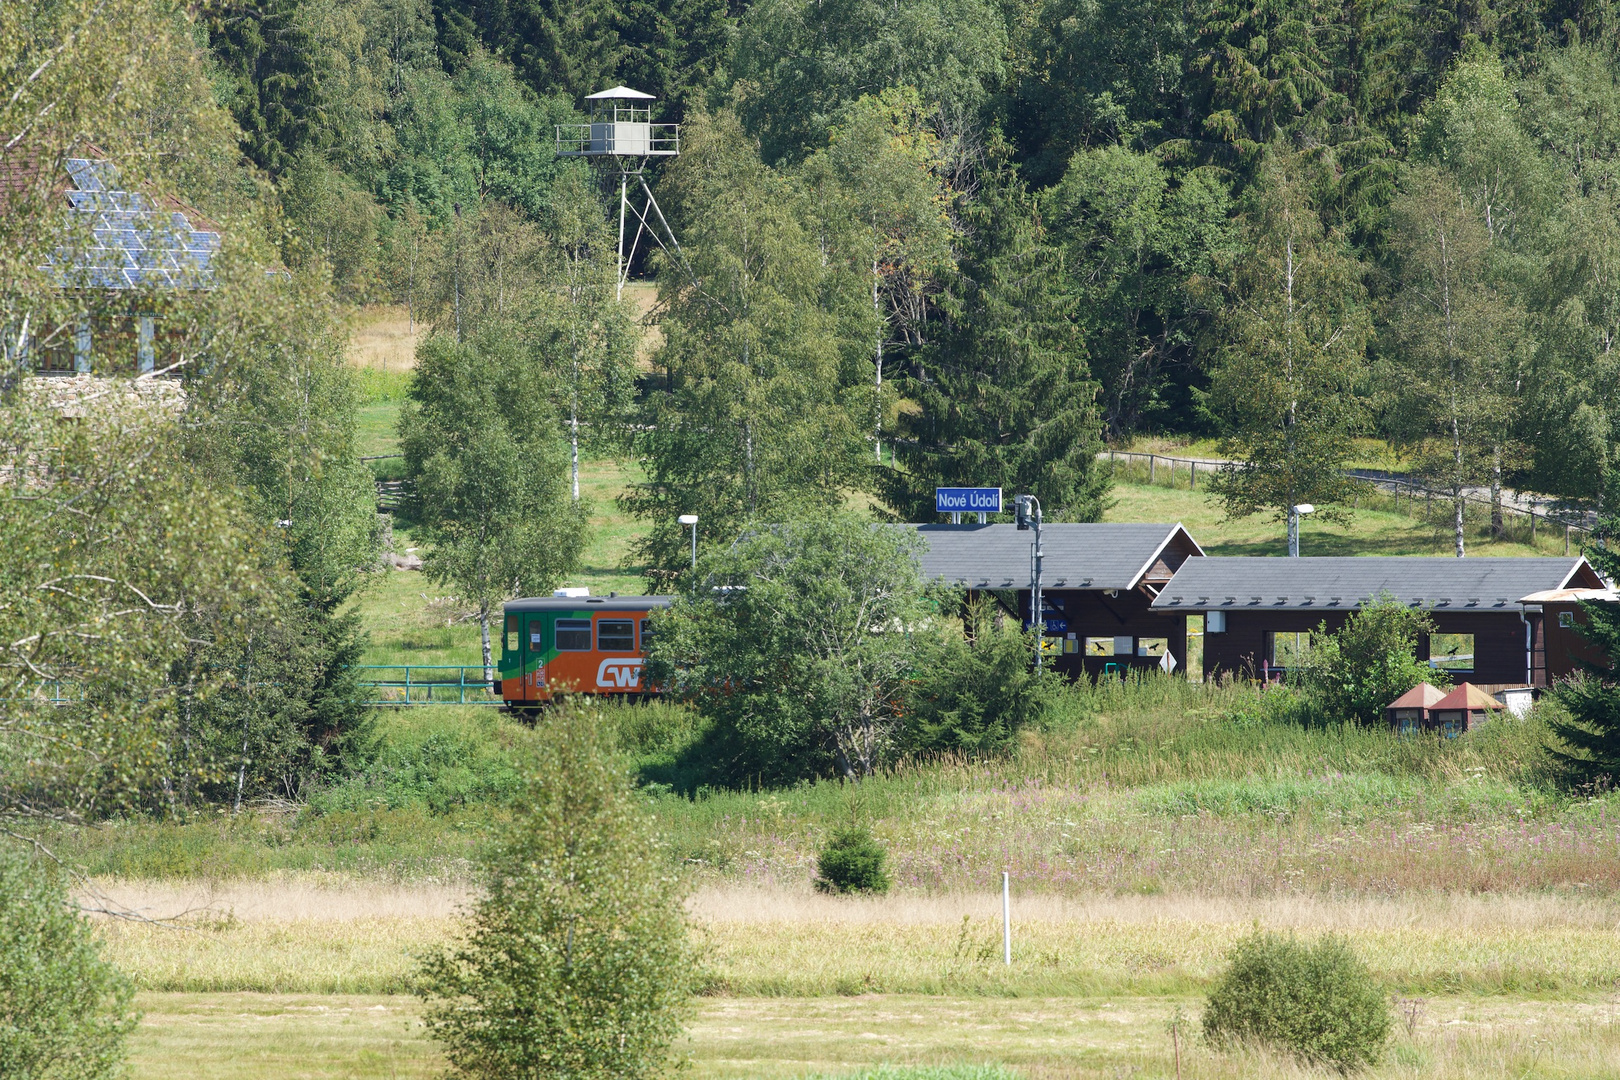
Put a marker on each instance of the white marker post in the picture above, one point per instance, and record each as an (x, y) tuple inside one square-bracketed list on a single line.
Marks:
[(1006, 918)]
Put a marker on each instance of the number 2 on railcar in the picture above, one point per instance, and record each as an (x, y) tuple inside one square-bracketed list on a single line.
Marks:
[(575, 645)]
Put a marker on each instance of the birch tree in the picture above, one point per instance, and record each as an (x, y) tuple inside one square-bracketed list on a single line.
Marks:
[(885, 213), (760, 414), (1296, 328), (1450, 339), (480, 439)]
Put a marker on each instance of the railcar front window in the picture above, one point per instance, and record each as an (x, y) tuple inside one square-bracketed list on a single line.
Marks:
[(616, 635), (573, 635)]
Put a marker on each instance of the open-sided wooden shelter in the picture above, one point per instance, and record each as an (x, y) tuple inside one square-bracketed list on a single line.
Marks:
[(1259, 612), (1098, 584)]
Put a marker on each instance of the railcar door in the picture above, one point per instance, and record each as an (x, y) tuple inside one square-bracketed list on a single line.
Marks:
[(571, 665), (510, 671), (535, 653)]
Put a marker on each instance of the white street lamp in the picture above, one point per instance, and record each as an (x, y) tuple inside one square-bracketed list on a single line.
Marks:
[(691, 519), (1294, 514)]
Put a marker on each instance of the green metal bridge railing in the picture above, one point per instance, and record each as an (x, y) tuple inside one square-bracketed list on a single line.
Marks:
[(384, 684), (426, 684)]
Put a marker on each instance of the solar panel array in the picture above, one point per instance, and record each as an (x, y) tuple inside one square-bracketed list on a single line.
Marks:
[(121, 239)]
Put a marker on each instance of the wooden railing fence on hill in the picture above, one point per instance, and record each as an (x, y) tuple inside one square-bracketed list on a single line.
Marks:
[(1537, 525)]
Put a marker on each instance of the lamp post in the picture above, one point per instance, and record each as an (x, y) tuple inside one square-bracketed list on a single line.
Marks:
[(1294, 514), (1027, 512), (691, 519)]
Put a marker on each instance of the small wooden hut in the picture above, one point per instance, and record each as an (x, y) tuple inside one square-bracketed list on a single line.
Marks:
[(1465, 707), (1410, 711)]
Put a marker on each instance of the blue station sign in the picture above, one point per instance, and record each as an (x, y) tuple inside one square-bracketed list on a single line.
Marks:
[(967, 500)]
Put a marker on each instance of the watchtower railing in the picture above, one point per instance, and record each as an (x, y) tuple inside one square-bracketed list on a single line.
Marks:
[(624, 138)]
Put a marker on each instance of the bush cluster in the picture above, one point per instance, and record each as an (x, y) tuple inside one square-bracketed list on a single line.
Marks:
[(1355, 672), (1318, 1001), (973, 691)]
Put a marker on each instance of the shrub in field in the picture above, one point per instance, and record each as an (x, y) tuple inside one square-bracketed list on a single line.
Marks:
[(852, 861), (577, 962), (64, 1011), (1319, 1001), (797, 642)]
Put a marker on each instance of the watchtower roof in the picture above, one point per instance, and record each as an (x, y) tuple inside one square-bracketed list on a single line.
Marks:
[(623, 92)]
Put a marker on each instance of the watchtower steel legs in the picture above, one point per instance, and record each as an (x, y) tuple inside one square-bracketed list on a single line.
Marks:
[(642, 225)]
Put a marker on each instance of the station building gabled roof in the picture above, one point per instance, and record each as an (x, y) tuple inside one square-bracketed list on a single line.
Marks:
[(1077, 556), (1346, 583)]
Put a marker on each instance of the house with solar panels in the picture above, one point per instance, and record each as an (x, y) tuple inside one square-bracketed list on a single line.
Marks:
[(126, 249)]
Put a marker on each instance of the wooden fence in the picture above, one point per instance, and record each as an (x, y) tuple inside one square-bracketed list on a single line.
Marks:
[(1539, 526)]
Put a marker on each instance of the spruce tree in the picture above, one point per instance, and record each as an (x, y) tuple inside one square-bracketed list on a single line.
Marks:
[(1588, 746), (1004, 393)]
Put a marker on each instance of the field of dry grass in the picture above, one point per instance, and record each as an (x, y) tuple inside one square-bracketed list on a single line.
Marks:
[(309, 978), (295, 936), (383, 336)]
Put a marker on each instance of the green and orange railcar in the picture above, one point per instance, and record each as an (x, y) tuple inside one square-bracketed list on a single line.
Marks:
[(575, 645)]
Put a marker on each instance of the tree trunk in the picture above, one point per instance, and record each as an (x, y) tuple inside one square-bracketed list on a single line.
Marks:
[(1497, 528), (573, 426), (1457, 478), (483, 632), (749, 490), (877, 396)]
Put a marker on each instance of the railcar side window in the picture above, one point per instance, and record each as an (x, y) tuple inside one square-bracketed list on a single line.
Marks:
[(616, 635), (646, 635), (511, 633), (573, 635)]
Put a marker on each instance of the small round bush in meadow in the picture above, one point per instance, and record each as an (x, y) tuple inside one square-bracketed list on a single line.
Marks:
[(1318, 1000), (851, 862)]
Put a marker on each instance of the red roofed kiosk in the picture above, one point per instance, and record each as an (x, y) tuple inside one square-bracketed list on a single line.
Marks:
[(1465, 707), (1411, 711)]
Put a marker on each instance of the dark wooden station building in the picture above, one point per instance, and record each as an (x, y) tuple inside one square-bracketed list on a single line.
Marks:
[(1259, 612), (1099, 582)]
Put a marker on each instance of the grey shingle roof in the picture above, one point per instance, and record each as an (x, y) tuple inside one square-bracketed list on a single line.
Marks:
[(1329, 584), (1100, 556)]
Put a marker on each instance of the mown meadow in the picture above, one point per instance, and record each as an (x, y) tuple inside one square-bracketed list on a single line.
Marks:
[(1147, 826)]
